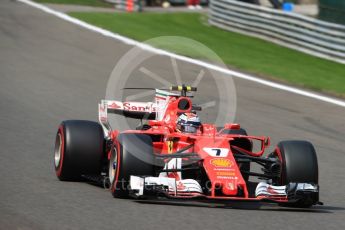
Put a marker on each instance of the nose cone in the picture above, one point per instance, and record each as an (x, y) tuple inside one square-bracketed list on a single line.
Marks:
[(229, 188)]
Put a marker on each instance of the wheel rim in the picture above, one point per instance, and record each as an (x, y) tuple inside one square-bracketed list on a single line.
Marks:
[(58, 149), (112, 166)]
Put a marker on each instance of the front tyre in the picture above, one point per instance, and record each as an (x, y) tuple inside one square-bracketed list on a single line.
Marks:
[(132, 155), (298, 165), (79, 149)]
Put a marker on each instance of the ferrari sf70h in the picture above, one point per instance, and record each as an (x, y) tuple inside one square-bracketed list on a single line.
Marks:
[(175, 156)]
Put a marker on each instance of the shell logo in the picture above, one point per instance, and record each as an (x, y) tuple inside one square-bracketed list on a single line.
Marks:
[(221, 162)]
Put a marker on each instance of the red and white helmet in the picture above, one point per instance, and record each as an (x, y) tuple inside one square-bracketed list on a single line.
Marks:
[(188, 123)]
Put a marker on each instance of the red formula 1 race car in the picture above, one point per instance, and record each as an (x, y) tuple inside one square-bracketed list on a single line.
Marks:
[(174, 155)]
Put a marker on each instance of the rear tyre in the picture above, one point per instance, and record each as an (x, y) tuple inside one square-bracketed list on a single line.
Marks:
[(133, 155), (299, 165), (78, 149)]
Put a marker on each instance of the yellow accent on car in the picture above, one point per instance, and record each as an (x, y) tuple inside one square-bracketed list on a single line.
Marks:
[(170, 146), (221, 162)]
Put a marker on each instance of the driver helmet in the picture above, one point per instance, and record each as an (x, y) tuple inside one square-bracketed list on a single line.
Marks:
[(188, 123)]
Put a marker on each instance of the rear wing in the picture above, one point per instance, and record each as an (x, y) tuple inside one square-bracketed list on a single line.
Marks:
[(138, 110), (161, 100)]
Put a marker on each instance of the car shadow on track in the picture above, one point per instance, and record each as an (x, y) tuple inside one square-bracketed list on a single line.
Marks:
[(255, 206)]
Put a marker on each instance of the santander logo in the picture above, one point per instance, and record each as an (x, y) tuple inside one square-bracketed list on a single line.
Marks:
[(114, 106)]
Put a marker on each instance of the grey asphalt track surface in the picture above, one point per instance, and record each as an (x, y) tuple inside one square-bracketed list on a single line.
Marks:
[(51, 70)]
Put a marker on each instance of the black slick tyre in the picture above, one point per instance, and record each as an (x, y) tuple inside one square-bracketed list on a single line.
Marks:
[(132, 155), (298, 165), (79, 149)]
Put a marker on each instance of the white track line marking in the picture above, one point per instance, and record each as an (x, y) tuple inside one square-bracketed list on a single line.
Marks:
[(182, 58)]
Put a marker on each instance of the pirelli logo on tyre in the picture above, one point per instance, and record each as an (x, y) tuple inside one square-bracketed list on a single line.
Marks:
[(221, 162)]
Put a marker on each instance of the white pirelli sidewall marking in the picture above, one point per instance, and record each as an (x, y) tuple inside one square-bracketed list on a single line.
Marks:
[(146, 47)]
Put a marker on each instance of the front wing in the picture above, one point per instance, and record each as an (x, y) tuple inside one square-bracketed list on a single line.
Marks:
[(145, 187)]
